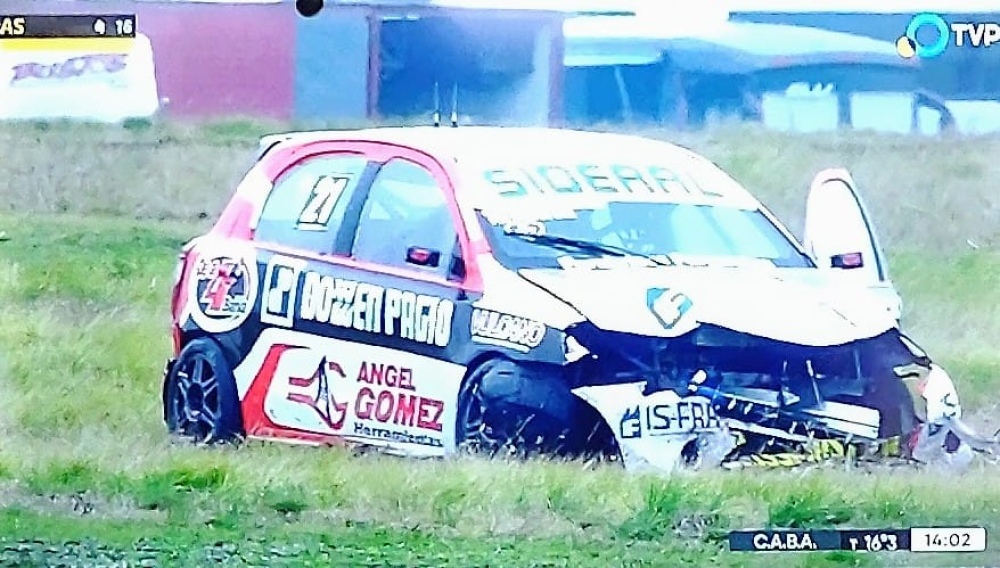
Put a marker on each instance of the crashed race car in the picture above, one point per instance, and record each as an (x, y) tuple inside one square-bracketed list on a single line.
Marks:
[(430, 291)]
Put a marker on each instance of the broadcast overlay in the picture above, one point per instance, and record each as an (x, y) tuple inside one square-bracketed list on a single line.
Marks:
[(33, 33), (922, 539)]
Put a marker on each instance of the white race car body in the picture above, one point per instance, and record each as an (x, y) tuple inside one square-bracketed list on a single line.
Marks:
[(553, 289), (843, 297)]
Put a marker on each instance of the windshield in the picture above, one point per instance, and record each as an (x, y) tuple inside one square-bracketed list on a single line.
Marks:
[(671, 215)]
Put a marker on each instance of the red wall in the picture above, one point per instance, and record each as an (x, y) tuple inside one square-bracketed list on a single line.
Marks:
[(211, 59), (217, 59)]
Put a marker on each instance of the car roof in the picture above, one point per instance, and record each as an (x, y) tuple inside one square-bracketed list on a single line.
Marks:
[(467, 141), (505, 146)]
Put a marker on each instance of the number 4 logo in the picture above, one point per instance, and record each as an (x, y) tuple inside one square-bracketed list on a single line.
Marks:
[(319, 207)]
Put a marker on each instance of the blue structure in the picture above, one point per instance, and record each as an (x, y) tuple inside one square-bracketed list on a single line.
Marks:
[(643, 68), (332, 67), (958, 74), (382, 58)]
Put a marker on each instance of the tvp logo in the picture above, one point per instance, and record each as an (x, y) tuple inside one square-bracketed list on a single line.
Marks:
[(927, 35)]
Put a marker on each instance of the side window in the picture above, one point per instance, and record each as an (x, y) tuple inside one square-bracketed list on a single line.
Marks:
[(406, 208), (308, 202)]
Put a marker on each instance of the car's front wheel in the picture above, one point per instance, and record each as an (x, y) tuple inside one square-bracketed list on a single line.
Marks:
[(200, 398), (513, 409)]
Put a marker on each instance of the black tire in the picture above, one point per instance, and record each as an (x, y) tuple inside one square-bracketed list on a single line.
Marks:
[(517, 410), (199, 395)]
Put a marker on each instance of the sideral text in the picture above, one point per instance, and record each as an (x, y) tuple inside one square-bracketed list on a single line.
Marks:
[(614, 179)]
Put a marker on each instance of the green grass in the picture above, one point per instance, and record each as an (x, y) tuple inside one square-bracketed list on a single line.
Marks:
[(94, 218), (356, 544)]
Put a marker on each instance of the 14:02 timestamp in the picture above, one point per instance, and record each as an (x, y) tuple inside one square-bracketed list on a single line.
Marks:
[(948, 539)]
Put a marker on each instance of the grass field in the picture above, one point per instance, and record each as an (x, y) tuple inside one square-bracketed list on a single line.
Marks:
[(91, 219)]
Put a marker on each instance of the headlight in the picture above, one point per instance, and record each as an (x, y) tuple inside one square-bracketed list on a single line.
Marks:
[(895, 307), (942, 399)]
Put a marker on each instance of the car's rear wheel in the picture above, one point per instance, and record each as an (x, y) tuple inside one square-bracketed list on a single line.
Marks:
[(513, 409), (201, 403)]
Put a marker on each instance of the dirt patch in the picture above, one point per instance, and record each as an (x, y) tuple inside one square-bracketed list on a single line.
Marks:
[(986, 421), (145, 554), (83, 504)]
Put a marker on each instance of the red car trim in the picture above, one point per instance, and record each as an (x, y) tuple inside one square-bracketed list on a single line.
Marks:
[(235, 221)]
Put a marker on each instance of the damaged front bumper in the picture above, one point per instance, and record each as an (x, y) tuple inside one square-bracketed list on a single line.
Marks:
[(735, 400), (662, 431)]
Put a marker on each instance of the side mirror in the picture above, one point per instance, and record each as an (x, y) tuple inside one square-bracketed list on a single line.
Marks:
[(457, 271), (423, 257), (847, 260)]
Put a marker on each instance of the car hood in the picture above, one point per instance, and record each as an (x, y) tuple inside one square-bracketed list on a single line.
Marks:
[(801, 306)]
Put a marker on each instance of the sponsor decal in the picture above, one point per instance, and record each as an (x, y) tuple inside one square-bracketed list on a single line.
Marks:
[(670, 417), (70, 68), (281, 279), (352, 304), (222, 290), (667, 305), (613, 181), (318, 210), (568, 262), (513, 217), (819, 452), (396, 436), (506, 330), (332, 413), (653, 430), (310, 391), (307, 390), (390, 398)]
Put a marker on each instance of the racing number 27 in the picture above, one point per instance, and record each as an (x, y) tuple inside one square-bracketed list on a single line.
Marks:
[(319, 207)]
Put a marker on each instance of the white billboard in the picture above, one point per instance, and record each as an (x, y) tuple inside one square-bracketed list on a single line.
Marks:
[(95, 79)]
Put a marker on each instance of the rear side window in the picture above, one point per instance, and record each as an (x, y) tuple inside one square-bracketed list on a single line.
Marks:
[(307, 205)]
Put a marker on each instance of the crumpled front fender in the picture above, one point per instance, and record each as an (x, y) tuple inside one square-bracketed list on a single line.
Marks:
[(944, 437)]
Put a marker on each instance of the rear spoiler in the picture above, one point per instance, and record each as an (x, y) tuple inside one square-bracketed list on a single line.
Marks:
[(268, 142)]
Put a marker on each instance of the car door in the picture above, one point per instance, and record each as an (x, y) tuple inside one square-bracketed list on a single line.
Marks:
[(840, 235), (284, 379), (361, 285), (408, 239)]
